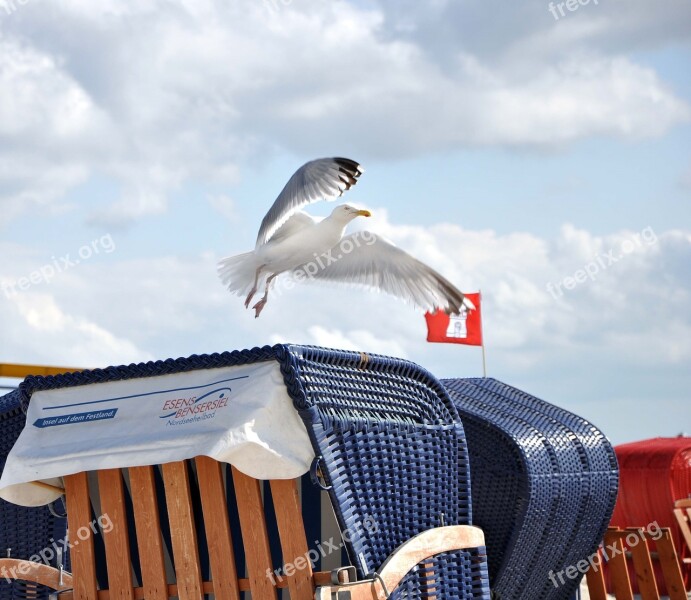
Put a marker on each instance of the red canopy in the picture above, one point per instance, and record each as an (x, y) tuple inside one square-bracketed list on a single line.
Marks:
[(653, 474)]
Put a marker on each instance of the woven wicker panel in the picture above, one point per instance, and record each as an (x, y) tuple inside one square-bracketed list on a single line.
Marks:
[(544, 482), (394, 453), (24, 532)]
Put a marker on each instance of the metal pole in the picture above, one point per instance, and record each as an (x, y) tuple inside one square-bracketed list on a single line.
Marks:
[(482, 333)]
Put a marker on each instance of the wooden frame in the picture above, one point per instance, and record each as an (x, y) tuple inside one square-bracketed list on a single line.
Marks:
[(405, 557), (642, 559), (225, 582)]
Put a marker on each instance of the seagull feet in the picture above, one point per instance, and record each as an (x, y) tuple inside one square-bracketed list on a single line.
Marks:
[(253, 291), (258, 307)]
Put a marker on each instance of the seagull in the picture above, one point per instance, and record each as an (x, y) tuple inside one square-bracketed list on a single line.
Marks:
[(291, 241)]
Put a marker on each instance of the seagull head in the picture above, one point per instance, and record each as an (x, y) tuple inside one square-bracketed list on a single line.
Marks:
[(347, 213)]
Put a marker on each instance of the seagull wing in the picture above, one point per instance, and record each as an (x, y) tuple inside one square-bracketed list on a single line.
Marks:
[(324, 178), (367, 259), (297, 222)]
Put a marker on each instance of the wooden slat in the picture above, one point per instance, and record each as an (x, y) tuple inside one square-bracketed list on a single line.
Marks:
[(670, 566), (254, 536), (149, 539), (430, 585), (596, 580), (116, 539), (82, 554), (214, 507), (617, 566), (182, 532), (683, 516), (296, 564), (320, 578), (643, 566), (30, 590)]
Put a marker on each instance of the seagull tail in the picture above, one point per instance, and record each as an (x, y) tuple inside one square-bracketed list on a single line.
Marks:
[(237, 272)]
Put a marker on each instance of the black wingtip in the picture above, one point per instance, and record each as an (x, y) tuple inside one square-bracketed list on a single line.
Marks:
[(349, 164), (350, 171)]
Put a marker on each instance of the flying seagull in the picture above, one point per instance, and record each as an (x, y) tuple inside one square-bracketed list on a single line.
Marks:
[(291, 241)]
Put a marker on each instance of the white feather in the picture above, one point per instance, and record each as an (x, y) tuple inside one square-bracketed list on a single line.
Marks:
[(370, 260), (324, 178)]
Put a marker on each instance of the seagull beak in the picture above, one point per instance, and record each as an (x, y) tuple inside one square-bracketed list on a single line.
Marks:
[(364, 213)]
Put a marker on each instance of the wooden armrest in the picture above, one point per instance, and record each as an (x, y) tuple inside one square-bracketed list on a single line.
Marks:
[(26, 570), (424, 545)]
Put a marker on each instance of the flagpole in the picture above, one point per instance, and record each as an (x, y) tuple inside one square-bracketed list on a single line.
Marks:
[(482, 331)]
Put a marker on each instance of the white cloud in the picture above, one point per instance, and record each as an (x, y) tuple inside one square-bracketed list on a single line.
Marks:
[(225, 206), (356, 339), (43, 332), (46, 117), (638, 301), (630, 319), (198, 89)]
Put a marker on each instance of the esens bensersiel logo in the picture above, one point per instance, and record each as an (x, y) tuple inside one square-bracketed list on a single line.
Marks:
[(195, 408)]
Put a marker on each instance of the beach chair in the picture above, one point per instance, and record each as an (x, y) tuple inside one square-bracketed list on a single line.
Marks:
[(544, 484), (631, 556), (390, 453), (654, 474)]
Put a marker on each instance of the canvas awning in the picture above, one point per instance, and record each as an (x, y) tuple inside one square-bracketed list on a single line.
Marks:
[(242, 415)]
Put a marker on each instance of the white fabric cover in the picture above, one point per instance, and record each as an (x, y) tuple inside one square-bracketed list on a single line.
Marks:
[(241, 415)]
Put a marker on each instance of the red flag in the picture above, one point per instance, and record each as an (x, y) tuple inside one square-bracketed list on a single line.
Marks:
[(465, 328)]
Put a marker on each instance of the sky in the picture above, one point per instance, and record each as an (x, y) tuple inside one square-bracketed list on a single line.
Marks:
[(540, 154)]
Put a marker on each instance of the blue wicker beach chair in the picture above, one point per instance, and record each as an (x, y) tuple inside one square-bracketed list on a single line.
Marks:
[(24, 532), (390, 451), (544, 483)]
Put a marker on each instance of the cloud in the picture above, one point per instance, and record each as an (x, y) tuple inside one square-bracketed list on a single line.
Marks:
[(356, 339), (540, 295), (514, 32), (37, 325), (46, 118), (629, 318), (199, 90), (225, 206)]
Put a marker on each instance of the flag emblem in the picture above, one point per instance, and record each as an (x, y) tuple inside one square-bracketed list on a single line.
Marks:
[(463, 328)]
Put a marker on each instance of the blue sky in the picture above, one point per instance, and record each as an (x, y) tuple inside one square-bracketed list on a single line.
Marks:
[(506, 149)]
